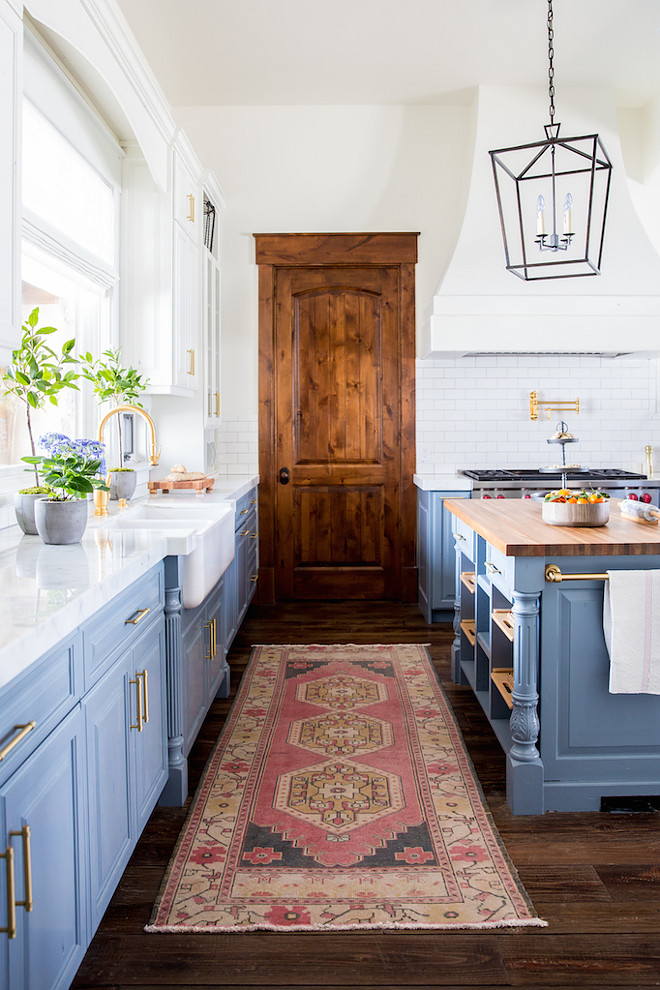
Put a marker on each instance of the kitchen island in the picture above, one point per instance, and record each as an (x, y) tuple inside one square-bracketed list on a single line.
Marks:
[(530, 643)]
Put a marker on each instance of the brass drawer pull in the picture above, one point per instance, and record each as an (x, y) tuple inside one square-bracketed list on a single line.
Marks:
[(10, 929), (255, 577), (246, 532), (459, 536), (191, 207), (253, 536), (137, 617), (491, 567), (21, 734), (254, 501), (27, 867), (244, 512), (140, 710), (217, 403)]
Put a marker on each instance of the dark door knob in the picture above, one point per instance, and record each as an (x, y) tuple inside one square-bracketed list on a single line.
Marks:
[(284, 476)]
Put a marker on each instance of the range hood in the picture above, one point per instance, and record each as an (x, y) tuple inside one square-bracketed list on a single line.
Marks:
[(480, 308)]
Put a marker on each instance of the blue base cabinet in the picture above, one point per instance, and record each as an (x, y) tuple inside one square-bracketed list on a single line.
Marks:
[(83, 758), (436, 559), (42, 811)]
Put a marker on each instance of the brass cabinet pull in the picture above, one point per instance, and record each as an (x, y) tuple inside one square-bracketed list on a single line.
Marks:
[(209, 626), (21, 734), (214, 646), (10, 930), (491, 567), (217, 403), (254, 501), (191, 368), (137, 617), (459, 536), (140, 712), (246, 532), (244, 512), (145, 690), (191, 207), (255, 577), (27, 867), (253, 536)]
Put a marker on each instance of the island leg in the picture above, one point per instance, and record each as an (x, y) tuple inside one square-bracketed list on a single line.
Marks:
[(524, 772), (457, 674)]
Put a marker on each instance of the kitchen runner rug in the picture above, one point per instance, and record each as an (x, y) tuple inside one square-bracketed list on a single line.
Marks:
[(339, 796)]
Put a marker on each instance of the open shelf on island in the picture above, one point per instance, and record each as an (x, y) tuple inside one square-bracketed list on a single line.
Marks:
[(469, 580), (503, 618), (502, 678), (467, 625)]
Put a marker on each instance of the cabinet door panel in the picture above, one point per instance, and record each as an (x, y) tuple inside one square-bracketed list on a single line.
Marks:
[(195, 648), (150, 745), (47, 794), (109, 785), (186, 292)]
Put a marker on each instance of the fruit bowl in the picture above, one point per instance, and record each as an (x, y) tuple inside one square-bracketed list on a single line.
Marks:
[(557, 513)]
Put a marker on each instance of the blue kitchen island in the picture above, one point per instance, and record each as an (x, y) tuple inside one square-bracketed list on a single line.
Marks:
[(530, 643)]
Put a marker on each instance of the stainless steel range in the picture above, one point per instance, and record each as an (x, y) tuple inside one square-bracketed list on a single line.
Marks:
[(526, 482)]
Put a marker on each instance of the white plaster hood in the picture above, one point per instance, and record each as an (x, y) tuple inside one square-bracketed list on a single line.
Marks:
[(479, 307)]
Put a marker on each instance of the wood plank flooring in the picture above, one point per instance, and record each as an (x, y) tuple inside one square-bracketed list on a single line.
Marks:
[(594, 877)]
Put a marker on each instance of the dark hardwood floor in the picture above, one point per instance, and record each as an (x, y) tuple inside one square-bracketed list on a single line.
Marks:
[(594, 877)]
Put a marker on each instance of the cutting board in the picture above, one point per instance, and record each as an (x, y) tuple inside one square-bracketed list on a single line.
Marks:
[(198, 485)]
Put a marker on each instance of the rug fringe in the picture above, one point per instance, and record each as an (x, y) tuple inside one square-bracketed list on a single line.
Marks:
[(336, 929)]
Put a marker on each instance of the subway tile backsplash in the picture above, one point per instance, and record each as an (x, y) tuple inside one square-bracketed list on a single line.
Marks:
[(474, 412)]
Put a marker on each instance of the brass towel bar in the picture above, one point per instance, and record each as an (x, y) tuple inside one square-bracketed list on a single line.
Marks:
[(554, 575)]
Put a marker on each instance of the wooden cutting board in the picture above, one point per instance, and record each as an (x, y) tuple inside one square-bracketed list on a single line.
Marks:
[(167, 486)]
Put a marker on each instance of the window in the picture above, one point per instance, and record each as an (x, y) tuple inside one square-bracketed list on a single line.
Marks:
[(70, 242)]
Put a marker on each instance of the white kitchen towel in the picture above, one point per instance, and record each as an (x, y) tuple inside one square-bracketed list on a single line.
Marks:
[(631, 623)]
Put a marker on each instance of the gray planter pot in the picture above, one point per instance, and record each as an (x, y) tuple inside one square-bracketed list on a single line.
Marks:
[(24, 508), (122, 484), (61, 522)]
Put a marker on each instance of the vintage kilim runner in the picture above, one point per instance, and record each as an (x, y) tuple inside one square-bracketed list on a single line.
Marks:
[(339, 796)]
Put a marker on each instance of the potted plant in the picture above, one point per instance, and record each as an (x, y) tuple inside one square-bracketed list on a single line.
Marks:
[(36, 374), (118, 385), (72, 472)]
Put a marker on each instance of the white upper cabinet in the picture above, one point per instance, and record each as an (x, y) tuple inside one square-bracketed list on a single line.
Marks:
[(11, 46), (213, 202), (161, 275)]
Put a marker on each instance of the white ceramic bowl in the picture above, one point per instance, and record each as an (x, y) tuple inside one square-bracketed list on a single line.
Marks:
[(576, 513)]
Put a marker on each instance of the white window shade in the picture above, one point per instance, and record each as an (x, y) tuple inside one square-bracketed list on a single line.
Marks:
[(63, 190)]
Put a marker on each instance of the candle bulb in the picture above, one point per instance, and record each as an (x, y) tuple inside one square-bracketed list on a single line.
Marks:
[(568, 214), (540, 216)]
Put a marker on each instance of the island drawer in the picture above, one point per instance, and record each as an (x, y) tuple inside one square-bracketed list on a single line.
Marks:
[(246, 505), (118, 623), (464, 537), (32, 704), (499, 569)]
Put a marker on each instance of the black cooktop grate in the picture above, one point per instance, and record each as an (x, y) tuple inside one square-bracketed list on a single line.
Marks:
[(531, 474)]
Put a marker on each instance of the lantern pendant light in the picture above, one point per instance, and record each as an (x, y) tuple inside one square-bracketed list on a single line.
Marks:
[(552, 199)]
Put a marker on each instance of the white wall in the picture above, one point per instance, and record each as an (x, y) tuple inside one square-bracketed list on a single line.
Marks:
[(338, 168)]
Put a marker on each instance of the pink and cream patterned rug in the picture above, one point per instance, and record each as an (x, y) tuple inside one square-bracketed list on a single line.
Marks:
[(339, 797)]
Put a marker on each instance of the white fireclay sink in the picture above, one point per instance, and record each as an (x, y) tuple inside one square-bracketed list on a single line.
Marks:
[(200, 532)]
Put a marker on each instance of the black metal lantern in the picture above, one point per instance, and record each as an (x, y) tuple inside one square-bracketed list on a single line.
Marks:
[(552, 199)]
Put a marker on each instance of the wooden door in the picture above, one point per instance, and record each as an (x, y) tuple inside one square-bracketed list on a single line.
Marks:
[(337, 416)]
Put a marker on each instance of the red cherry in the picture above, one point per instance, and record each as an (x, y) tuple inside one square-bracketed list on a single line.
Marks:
[(486, 496), (501, 496), (633, 496), (647, 497), (527, 496)]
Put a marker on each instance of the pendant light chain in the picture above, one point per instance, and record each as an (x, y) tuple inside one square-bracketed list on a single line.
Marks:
[(551, 68)]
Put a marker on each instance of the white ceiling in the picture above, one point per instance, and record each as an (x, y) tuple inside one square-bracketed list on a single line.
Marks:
[(213, 52)]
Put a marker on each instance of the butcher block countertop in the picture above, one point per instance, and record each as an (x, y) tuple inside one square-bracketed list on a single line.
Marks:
[(516, 529)]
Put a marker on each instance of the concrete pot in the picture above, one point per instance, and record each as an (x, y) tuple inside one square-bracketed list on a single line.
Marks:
[(122, 484), (61, 523), (24, 508)]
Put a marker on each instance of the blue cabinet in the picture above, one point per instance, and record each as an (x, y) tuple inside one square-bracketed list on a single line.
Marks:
[(83, 758), (127, 758), (241, 576), (42, 814), (206, 668), (436, 559)]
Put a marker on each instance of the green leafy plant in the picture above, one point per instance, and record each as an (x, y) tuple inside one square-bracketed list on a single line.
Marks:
[(73, 469), (114, 383), (37, 373)]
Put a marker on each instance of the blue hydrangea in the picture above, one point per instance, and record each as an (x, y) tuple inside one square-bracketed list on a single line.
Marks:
[(59, 445)]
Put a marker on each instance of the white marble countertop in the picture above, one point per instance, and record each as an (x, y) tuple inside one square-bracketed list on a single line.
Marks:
[(46, 592), (441, 481)]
